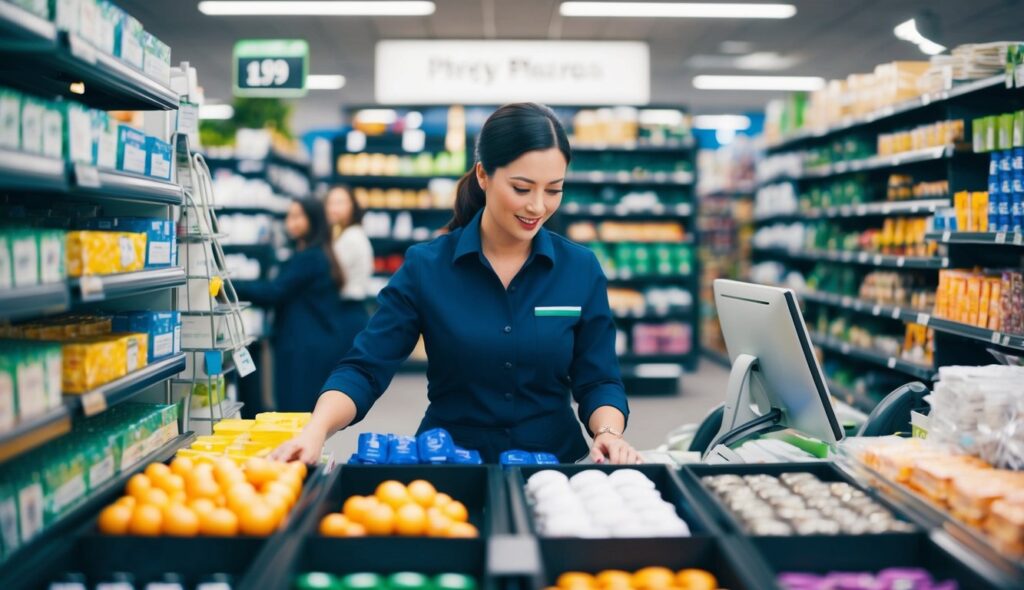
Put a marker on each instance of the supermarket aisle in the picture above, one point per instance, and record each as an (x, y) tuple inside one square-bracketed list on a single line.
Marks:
[(401, 408)]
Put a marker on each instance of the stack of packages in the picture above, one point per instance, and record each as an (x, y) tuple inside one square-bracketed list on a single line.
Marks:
[(432, 447), (241, 440), (988, 299), (970, 61)]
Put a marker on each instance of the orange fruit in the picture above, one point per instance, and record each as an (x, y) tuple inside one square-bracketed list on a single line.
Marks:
[(277, 488), (575, 580), (614, 580), (411, 520), (298, 467), (654, 578), (392, 493), (170, 483), (146, 521), (138, 485), (204, 469), (155, 497), (354, 529), (456, 511), (178, 497), (219, 522), (259, 471), (157, 471), (227, 473), (696, 579), (257, 520), (442, 500), (182, 466), (127, 501), (198, 485), (356, 507), (180, 521), (462, 530), (333, 525), (380, 520), (293, 481), (422, 492), (437, 523), (202, 506), (114, 519), (278, 504)]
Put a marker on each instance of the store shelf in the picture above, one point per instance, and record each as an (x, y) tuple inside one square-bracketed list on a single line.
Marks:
[(391, 181), (600, 210), (91, 182), (891, 111), (667, 179), (870, 356), (97, 400), (864, 258), (414, 210), (258, 249), (1011, 341), (626, 278), (228, 409), (222, 346), (639, 147), (880, 209), (852, 397), (29, 433), (17, 24), (654, 313), (19, 170), (986, 238), (25, 302), (866, 307), (25, 562), (240, 210), (99, 288)]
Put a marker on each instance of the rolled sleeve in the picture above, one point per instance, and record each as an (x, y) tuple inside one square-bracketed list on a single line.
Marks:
[(596, 380), (388, 339)]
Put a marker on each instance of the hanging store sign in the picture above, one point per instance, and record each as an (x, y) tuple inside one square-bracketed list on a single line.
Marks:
[(498, 72), (271, 67)]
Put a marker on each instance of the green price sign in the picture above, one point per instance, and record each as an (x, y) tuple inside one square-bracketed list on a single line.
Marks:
[(271, 67)]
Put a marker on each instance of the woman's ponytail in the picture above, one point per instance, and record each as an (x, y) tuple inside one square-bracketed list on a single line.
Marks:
[(469, 199)]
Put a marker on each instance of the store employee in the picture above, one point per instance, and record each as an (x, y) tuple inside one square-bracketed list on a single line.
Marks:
[(513, 316)]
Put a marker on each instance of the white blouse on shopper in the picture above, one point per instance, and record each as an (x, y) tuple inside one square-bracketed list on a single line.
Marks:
[(355, 256)]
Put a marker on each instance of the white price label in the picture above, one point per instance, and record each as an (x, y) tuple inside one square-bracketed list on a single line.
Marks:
[(92, 288), (243, 362), (945, 262), (901, 262), (995, 337), (188, 118), (896, 313), (923, 319), (597, 209), (623, 176), (862, 210), (876, 310), (946, 235), (87, 176), (596, 176), (891, 363), (1001, 237), (93, 403), (878, 259), (1018, 239), (863, 257), (1006, 340), (127, 251)]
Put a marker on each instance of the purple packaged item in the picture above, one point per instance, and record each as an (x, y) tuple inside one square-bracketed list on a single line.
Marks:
[(435, 446), (466, 457), (799, 581), (904, 577), (372, 448), (402, 450)]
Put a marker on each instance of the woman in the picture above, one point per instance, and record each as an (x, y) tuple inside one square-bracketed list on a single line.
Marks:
[(308, 314), (351, 246), (513, 317)]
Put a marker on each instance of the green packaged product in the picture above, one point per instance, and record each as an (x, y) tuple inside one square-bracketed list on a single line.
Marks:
[(1018, 129), (362, 582), (130, 48), (98, 453), (32, 125), (6, 262), (408, 581), (454, 582), (77, 135), (316, 581), (30, 381), (9, 538), (51, 256), (10, 119), (1004, 137), (156, 60), (8, 405), (53, 131), (104, 139), (108, 26), (28, 487), (63, 480), (53, 367)]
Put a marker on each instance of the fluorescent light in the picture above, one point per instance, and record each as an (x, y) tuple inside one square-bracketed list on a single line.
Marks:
[(324, 82), (677, 10), (758, 82), (322, 8), (216, 111), (730, 122), (907, 31), (668, 117), (377, 116)]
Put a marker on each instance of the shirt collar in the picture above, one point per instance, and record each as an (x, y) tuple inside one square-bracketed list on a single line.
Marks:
[(469, 242)]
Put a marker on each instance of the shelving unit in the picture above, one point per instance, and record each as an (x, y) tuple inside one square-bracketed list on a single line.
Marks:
[(879, 209)]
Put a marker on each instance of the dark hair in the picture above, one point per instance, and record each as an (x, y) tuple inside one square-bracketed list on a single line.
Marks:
[(319, 236), (356, 216), (508, 133)]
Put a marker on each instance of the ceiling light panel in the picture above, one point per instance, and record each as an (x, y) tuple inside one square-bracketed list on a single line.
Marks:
[(776, 83), (677, 10), (321, 8)]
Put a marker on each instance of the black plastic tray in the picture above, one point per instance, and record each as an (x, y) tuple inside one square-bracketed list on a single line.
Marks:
[(665, 480), (480, 488), (823, 470)]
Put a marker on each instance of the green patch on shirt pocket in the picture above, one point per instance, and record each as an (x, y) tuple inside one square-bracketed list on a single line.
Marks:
[(558, 311)]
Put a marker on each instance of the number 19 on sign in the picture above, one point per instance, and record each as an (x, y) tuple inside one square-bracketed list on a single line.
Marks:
[(267, 67)]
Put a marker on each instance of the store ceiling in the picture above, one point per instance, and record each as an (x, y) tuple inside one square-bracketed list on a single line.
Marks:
[(829, 38)]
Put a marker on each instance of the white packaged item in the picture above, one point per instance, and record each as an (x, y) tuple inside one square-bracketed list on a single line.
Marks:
[(32, 125), (208, 332), (10, 119), (52, 132), (25, 256)]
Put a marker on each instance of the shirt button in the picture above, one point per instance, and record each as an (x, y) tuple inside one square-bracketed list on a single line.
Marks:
[(508, 397), (508, 365), (508, 329)]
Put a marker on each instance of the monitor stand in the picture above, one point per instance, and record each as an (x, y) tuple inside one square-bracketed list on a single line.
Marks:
[(745, 390)]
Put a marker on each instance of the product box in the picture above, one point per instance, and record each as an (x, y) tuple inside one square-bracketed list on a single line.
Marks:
[(159, 155), (32, 125), (156, 58), (51, 256), (104, 139), (24, 257), (104, 252), (30, 380), (10, 119), (94, 361), (78, 133), (8, 406), (6, 262), (40, 8), (130, 48), (131, 150), (53, 131), (63, 478), (197, 331), (9, 539), (161, 241), (108, 27), (160, 326)]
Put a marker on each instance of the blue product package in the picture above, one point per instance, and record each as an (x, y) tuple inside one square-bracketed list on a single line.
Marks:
[(355, 460), (514, 457), (159, 325), (1017, 162), (1005, 204), (1017, 212), (436, 446), (993, 211), (1005, 161), (131, 150), (545, 459), (993, 164), (466, 457), (993, 184), (373, 448), (158, 158), (402, 450)]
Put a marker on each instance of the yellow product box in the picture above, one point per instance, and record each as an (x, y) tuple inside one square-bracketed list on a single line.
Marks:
[(212, 444), (973, 299), (961, 203), (233, 427), (93, 361), (290, 419), (272, 434), (985, 302), (979, 211), (104, 252), (995, 309)]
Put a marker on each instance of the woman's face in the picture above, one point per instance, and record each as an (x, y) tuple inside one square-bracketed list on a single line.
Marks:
[(296, 224), (523, 195), (338, 207)]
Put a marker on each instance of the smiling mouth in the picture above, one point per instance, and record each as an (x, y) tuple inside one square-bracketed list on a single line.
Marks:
[(527, 222)]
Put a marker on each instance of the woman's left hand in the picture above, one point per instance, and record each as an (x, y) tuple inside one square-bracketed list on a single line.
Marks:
[(608, 448)]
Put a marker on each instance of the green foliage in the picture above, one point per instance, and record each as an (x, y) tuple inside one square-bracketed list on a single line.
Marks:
[(250, 113)]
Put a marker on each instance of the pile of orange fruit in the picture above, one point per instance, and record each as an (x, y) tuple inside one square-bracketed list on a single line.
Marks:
[(413, 510), (213, 498), (648, 578)]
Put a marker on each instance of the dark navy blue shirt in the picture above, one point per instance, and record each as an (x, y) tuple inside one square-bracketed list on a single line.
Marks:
[(502, 363)]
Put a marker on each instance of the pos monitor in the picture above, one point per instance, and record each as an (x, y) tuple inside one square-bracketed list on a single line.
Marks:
[(775, 380)]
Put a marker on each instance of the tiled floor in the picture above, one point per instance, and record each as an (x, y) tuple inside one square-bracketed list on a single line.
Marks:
[(651, 418)]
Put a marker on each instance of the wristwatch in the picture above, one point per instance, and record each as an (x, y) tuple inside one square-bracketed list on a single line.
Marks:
[(607, 430)]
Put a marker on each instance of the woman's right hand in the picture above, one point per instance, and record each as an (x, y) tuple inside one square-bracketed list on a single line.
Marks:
[(306, 447)]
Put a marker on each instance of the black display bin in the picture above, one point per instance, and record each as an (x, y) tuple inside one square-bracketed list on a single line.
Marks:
[(823, 470), (480, 488)]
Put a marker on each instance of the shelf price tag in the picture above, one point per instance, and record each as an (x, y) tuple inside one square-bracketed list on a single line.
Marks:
[(876, 310), (996, 336), (91, 288), (901, 262), (93, 403), (1001, 237), (891, 363), (878, 260), (87, 176), (243, 361), (1018, 239), (923, 319), (946, 235), (271, 67), (896, 313), (863, 257)]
